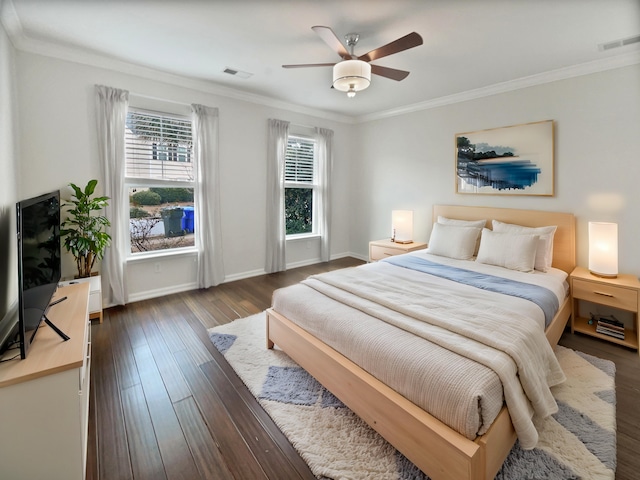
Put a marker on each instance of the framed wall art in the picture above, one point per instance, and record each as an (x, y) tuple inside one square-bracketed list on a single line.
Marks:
[(516, 160)]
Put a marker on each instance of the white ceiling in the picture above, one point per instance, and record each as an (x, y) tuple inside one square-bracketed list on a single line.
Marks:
[(468, 44)]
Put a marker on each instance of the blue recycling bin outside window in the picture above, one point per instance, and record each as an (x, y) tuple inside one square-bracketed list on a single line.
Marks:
[(187, 220)]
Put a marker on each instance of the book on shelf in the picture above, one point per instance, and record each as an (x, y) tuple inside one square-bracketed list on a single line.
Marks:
[(609, 325), (611, 322), (612, 333)]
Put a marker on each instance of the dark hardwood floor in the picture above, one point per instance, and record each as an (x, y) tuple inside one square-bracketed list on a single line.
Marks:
[(165, 404)]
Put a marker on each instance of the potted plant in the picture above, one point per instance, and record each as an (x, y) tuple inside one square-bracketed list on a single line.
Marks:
[(84, 231)]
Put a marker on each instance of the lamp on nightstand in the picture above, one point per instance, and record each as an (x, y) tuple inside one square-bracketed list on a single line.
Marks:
[(603, 249), (402, 226)]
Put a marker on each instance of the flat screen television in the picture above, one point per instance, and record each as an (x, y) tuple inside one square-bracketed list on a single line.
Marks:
[(39, 267)]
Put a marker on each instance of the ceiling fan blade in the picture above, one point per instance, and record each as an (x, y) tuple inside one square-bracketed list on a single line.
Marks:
[(391, 73), (399, 45), (332, 40), (305, 65)]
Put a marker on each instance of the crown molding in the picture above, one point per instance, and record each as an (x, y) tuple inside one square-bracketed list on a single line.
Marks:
[(588, 68)]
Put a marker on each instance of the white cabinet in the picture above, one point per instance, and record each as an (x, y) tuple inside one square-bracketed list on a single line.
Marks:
[(95, 295), (44, 399)]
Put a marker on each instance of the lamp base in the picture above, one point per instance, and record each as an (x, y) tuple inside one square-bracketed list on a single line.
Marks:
[(604, 275), (402, 242)]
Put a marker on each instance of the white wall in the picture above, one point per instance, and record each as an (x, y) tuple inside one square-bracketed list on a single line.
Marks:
[(8, 177), (58, 146), (401, 162), (407, 161)]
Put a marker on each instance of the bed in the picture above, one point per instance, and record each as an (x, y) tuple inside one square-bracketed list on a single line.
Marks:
[(436, 448)]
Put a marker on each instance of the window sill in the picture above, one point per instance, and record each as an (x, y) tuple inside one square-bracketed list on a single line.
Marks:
[(302, 236), (175, 252)]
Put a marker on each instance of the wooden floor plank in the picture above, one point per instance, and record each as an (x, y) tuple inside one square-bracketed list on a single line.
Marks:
[(122, 353), (175, 317), (134, 329), (176, 456), (206, 453), (173, 380), (269, 445), (164, 322), (240, 459), (146, 460), (112, 442), (203, 309)]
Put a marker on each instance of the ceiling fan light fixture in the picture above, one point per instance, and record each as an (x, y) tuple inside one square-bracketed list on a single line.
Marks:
[(351, 76)]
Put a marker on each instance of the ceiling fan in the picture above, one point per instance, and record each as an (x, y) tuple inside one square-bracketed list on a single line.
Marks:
[(353, 73)]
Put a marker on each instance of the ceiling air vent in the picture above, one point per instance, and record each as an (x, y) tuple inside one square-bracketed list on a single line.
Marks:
[(623, 42), (237, 73)]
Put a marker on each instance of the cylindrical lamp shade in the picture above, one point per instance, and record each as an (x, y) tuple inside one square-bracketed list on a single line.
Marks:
[(402, 226), (603, 249), (351, 75)]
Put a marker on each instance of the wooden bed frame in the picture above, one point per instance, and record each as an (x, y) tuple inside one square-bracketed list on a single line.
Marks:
[(435, 448)]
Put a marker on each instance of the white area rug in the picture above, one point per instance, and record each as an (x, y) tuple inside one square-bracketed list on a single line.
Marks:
[(579, 442)]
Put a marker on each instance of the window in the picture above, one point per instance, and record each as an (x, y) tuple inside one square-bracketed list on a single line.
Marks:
[(160, 180), (300, 185)]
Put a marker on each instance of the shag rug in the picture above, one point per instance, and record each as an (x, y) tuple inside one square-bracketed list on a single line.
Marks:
[(579, 442)]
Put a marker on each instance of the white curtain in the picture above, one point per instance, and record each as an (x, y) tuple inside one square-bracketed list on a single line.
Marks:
[(276, 234), (210, 270), (325, 163), (111, 112)]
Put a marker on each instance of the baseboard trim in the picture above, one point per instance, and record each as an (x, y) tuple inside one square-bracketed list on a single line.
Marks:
[(364, 258), (243, 275), (160, 292)]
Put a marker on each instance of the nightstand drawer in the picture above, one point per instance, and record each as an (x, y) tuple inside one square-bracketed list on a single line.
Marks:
[(378, 253), (611, 295), (379, 249)]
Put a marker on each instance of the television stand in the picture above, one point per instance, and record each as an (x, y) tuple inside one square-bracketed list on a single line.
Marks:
[(44, 399), (63, 335)]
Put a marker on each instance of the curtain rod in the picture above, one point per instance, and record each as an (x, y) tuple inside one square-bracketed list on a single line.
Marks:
[(312, 127)]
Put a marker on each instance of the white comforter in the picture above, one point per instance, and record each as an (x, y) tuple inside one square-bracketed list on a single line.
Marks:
[(501, 332)]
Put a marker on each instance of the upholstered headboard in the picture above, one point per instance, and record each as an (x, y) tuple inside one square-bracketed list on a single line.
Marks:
[(564, 241)]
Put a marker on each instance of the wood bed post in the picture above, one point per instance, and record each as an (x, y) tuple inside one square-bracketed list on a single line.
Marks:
[(270, 343)]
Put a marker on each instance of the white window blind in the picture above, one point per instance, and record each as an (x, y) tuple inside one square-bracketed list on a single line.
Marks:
[(158, 146), (299, 161)]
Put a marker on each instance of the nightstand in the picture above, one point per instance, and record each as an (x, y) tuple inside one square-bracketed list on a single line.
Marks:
[(621, 293), (380, 249)]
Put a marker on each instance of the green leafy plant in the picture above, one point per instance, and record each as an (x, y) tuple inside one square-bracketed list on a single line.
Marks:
[(146, 197), (137, 212), (173, 194), (84, 231)]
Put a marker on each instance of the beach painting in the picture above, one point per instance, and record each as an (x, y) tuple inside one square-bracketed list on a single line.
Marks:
[(515, 160)]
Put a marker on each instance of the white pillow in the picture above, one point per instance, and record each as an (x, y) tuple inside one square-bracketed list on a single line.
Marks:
[(462, 223), (514, 251), (453, 241), (479, 224), (544, 252)]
